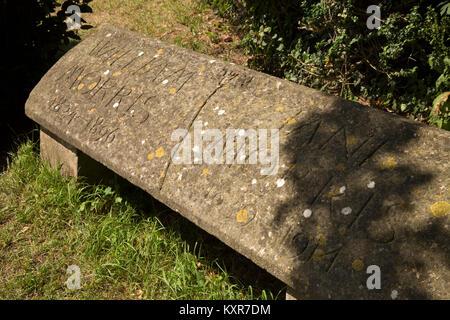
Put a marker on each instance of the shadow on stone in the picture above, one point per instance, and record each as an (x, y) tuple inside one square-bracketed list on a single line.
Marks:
[(360, 195)]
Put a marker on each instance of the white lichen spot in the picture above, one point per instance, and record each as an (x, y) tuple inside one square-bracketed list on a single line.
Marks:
[(106, 72), (278, 85), (180, 176), (156, 56), (165, 81), (206, 123), (195, 149), (346, 211), (270, 234), (221, 112), (115, 105), (142, 142), (342, 189), (261, 252), (371, 185), (394, 294), (216, 108), (212, 61), (280, 183), (254, 181), (108, 35), (307, 213), (140, 53)]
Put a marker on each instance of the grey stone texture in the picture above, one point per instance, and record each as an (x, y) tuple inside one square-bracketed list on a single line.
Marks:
[(375, 185)]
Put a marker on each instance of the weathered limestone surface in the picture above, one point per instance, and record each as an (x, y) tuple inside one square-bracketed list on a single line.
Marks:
[(118, 96)]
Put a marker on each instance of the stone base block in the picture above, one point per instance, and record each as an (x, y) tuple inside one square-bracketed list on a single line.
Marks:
[(59, 153)]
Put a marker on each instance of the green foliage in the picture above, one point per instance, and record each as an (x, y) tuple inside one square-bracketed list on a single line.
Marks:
[(440, 113), (445, 7), (327, 45)]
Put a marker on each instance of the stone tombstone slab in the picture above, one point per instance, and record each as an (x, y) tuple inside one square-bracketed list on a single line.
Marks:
[(354, 187)]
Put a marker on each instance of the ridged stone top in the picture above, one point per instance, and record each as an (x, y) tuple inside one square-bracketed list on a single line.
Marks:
[(353, 186)]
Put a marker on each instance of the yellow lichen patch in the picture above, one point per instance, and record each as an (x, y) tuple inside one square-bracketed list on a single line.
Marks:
[(79, 78), (91, 111), (318, 255), (389, 163), (342, 230), (162, 175), (147, 67), (290, 121), (133, 89), (205, 172), (150, 156), (92, 85), (89, 78), (241, 216), (160, 51), (334, 193), (160, 152), (117, 73), (311, 102), (202, 68), (279, 108), (352, 140), (416, 191), (108, 63), (320, 239), (440, 209), (80, 86), (358, 265), (172, 90), (395, 180), (121, 119)]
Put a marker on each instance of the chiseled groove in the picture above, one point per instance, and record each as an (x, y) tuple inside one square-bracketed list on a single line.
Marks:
[(166, 169)]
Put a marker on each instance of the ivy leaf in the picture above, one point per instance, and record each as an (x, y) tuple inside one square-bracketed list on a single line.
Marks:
[(445, 8)]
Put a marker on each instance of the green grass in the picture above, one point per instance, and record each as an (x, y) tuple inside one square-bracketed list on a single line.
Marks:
[(186, 23), (119, 242)]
